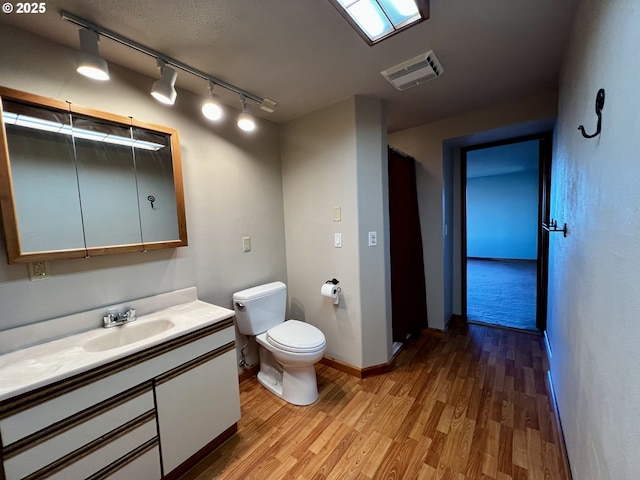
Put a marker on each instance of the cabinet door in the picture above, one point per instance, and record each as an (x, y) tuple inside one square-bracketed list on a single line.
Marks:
[(196, 403)]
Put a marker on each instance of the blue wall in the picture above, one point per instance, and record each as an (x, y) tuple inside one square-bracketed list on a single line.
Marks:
[(502, 216)]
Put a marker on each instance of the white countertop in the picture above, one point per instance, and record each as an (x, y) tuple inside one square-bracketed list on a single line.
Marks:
[(40, 365)]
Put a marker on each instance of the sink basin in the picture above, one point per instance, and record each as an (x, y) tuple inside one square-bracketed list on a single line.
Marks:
[(126, 334)]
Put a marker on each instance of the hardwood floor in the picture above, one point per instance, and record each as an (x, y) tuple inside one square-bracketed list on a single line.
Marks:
[(473, 405)]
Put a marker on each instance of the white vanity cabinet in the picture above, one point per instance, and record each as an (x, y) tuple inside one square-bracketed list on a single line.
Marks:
[(179, 397)]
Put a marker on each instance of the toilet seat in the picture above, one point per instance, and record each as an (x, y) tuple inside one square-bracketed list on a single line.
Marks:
[(296, 337)]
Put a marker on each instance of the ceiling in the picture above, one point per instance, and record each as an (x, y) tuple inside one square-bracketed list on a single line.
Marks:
[(304, 55)]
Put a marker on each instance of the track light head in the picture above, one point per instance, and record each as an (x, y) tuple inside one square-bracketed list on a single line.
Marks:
[(90, 64), (164, 90), (212, 108), (246, 121)]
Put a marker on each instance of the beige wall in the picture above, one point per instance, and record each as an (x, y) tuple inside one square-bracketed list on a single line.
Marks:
[(427, 145), (233, 188), (594, 281), (335, 158)]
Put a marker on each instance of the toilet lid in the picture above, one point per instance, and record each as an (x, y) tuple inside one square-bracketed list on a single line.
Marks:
[(296, 336)]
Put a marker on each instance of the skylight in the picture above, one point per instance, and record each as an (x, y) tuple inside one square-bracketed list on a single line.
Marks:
[(376, 20)]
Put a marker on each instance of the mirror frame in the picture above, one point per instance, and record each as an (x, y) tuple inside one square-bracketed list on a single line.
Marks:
[(7, 199)]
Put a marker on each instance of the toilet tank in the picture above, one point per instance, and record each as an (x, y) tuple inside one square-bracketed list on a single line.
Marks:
[(260, 308)]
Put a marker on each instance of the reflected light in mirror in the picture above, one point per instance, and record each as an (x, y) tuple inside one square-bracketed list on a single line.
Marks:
[(49, 126)]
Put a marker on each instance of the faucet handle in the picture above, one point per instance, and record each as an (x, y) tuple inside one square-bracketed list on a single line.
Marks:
[(130, 314), (108, 319)]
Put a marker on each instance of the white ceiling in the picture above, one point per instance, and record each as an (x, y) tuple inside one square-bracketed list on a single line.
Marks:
[(304, 55)]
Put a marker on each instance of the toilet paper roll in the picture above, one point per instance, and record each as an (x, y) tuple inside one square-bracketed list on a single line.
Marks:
[(331, 291)]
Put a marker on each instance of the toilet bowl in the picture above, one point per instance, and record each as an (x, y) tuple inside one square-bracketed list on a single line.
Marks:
[(289, 349)]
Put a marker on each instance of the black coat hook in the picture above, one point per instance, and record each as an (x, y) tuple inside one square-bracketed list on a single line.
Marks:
[(151, 199), (599, 106)]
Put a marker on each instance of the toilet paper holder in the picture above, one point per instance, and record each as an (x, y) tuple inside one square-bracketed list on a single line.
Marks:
[(335, 281)]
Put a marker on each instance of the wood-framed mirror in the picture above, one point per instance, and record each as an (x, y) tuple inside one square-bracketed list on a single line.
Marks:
[(77, 182)]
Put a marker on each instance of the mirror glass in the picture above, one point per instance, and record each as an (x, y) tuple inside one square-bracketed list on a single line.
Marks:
[(156, 188), (83, 183)]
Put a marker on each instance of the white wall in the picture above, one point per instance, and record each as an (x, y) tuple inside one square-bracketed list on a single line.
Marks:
[(336, 157), (233, 188), (594, 282), (502, 216), (428, 145)]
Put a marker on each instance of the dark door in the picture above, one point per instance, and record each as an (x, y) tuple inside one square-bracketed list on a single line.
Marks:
[(543, 235), (408, 293)]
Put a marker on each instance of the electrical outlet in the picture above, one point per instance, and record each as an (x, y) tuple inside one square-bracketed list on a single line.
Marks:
[(38, 270)]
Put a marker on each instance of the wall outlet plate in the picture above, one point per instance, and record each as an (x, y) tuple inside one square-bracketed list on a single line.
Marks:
[(38, 270)]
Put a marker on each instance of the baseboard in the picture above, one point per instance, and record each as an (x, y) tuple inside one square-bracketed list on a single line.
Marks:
[(504, 327), (557, 424), (190, 462), (547, 345), (248, 372), (362, 372), (498, 259), (342, 366)]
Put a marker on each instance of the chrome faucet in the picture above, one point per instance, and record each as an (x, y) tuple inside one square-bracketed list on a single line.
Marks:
[(115, 319)]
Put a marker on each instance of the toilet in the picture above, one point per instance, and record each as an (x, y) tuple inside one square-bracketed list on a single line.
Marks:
[(288, 350)]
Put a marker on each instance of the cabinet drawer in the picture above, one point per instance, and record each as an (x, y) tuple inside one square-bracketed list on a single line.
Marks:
[(25, 416), (105, 454), (37, 451), (145, 466)]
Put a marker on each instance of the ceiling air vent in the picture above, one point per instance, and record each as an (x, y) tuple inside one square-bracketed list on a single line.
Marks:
[(413, 72)]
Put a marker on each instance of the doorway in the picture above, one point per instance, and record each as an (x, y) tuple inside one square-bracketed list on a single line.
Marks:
[(504, 258)]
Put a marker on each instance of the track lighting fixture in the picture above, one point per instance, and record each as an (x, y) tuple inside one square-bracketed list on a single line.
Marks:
[(164, 89), (212, 108), (90, 64), (246, 121)]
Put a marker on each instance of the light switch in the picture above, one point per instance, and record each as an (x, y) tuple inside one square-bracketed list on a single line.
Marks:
[(246, 244), (337, 214), (373, 239), (337, 242)]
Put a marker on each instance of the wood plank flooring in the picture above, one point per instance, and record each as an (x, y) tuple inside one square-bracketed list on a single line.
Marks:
[(473, 405)]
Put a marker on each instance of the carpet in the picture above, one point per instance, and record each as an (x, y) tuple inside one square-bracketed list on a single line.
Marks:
[(502, 292)]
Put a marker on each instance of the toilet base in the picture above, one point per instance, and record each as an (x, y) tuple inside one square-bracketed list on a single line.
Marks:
[(293, 384), (270, 383)]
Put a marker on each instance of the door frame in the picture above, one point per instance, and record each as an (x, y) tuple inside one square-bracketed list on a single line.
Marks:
[(544, 196)]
